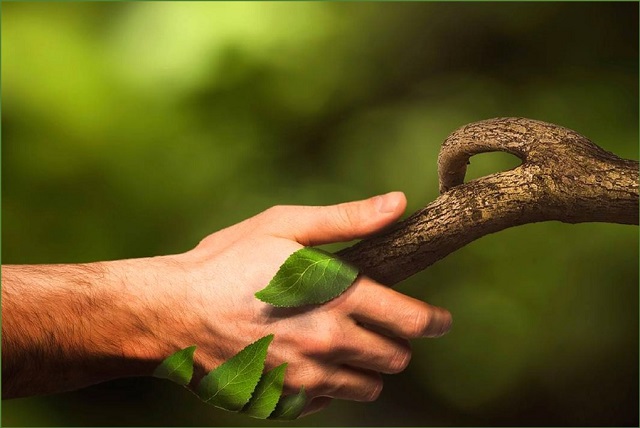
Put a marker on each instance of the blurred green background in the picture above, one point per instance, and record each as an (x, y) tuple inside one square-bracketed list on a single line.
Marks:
[(135, 129)]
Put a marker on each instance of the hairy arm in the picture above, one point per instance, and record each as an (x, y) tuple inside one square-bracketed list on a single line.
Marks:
[(68, 326)]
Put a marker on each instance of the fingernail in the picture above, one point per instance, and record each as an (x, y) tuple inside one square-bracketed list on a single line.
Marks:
[(441, 322), (446, 326), (387, 203)]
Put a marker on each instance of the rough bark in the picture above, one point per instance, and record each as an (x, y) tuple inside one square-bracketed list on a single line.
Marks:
[(563, 177)]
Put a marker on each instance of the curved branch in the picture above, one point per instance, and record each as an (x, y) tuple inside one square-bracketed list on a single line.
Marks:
[(563, 176)]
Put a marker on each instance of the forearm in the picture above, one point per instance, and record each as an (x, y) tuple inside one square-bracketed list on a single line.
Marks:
[(69, 326)]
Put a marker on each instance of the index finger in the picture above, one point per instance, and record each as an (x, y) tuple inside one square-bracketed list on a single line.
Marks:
[(375, 304)]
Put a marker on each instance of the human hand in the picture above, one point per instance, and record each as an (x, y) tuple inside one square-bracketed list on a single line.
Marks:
[(336, 350)]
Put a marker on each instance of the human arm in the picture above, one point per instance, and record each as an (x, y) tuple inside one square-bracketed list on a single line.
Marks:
[(67, 326)]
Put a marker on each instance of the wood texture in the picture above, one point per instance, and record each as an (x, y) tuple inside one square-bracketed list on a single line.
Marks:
[(563, 177)]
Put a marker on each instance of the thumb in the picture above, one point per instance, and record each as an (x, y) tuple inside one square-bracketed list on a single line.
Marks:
[(341, 222)]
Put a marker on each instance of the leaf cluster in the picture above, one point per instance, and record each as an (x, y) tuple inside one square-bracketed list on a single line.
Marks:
[(238, 384)]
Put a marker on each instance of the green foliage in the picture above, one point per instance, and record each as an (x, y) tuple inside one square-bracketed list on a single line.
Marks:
[(290, 406), (177, 367), (308, 276), (238, 384), (231, 384), (267, 393)]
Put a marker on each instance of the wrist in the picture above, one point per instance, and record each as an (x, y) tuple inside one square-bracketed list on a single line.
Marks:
[(145, 293)]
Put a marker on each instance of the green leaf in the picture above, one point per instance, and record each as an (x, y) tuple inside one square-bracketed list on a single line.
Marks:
[(267, 393), (290, 406), (177, 367), (231, 384), (308, 276)]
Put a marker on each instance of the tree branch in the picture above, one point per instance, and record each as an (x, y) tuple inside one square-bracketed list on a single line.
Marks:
[(563, 176)]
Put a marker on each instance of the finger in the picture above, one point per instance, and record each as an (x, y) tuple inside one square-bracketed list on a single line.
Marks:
[(376, 352), (323, 379), (353, 384), (401, 315), (334, 223)]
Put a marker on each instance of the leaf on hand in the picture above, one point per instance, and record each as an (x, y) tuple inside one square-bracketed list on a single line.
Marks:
[(230, 385), (177, 367), (308, 276), (290, 406), (267, 393)]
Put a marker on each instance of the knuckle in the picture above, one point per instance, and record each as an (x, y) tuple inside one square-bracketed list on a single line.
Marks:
[(322, 343), (274, 212), (418, 322), (314, 383), (400, 360), (344, 219), (272, 216), (310, 376)]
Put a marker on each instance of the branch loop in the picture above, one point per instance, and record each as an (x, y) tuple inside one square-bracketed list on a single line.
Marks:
[(563, 176)]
